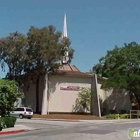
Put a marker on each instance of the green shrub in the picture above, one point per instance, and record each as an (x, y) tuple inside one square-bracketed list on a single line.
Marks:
[(8, 121), (115, 116), (112, 116), (8, 96), (83, 101), (124, 116)]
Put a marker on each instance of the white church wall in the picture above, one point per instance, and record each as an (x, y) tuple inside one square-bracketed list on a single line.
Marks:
[(114, 99), (65, 100)]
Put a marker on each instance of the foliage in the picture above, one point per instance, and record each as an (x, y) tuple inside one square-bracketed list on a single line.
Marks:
[(84, 98), (115, 116), (8, 96), (124, 116), (122, 68), (45, 49), (8, 121), (40, 50), (44, 53), (112, 116), (13, 54), (34, 54)]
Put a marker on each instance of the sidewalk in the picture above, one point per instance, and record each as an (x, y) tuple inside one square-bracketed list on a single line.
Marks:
[(15, 129)]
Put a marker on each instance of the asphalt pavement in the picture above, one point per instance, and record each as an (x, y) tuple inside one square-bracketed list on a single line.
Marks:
[(60, 130)]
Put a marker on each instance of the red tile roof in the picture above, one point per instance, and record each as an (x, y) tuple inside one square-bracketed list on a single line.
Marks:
[(71, 70)]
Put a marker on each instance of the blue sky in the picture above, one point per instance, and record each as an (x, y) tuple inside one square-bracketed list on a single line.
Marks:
[(94, 26)]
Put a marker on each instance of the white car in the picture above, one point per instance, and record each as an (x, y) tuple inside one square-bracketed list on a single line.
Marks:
[(22, 112)]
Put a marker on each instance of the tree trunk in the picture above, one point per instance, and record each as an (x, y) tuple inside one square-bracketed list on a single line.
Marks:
[(37, 94)]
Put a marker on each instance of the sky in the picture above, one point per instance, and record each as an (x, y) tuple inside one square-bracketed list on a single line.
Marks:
[(94, 26)]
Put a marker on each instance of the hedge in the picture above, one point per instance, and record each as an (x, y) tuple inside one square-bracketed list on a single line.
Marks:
[(8, 121), (112, 116), (115, 116)]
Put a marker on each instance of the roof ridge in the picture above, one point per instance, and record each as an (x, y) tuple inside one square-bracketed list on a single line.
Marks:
[(70, 67), (76, 68)]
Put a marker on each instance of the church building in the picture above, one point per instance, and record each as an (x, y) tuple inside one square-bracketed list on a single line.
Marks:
[(60, 92)]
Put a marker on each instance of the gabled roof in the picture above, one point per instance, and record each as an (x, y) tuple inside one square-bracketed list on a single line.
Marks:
[(71, 70)]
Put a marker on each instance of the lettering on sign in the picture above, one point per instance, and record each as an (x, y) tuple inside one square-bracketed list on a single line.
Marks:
[(73, 88)]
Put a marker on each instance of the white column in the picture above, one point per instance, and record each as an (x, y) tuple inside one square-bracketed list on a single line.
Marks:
[(95, 105), (98, 101), (44, 98)]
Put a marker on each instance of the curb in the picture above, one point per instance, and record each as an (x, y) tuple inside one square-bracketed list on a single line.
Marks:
[(70, 120), (67, 120), (64, 120), (12, 132)]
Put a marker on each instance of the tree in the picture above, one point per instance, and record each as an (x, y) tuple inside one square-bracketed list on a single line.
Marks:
[(84, 98), (13, 54), (8, 96), (45, 51), (37, 53), (121, 67)]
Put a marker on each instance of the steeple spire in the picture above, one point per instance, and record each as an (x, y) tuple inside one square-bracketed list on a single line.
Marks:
[(64, 34)]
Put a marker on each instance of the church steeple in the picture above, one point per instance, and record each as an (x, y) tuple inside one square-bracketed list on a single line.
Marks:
[(64, 34)]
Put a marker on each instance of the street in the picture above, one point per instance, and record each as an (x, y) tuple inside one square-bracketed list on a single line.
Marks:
[(59, 130)]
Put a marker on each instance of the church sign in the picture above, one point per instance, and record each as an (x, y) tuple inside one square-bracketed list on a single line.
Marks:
[(72, 88)]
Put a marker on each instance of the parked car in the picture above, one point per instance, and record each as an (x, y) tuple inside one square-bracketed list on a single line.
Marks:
[(22, 112)]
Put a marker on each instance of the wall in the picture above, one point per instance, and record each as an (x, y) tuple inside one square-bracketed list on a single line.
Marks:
[(62, 100), (114, 99), (30, 96), (59, 100), (30, 93)]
